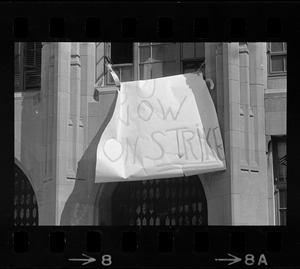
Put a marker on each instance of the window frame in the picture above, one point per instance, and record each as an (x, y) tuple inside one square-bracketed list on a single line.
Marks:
[(107, 52), (24, 68), (98, 79), (20, 63), (275, 141), (280, 53), (277, 184), (153, 44), (200, 60), (179, 61)]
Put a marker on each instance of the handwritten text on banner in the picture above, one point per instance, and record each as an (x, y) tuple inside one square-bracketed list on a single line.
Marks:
[(165, 127)]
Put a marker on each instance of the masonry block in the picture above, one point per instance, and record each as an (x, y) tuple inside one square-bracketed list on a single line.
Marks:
[(62, 148), (256, 95), (75, 81), (62, 127), (261, 139), (244, 95), (244, 60), (63, 64), (63, 104), (233, 72), (227, 206), (238, 182), (216, 210), (244, 74), (94, 124), (277, 83), (47, 214), (259, 119), (259, 76), (231, 52), (235, 160), (234, 116), (62, 84), (233, 91), (102, 107)]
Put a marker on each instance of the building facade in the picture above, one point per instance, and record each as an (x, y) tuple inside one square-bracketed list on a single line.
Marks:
[(64, 98)]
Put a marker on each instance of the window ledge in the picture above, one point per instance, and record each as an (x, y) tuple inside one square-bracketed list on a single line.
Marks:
[(18, 95), (109, 89), (103, 91), (27, 94), (275, 91), (279, 74)]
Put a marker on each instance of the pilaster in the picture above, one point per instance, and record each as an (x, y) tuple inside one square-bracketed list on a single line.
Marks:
[(239, 195), (47, 209), (87, 82), (61, 131), (75, 126), (210, 67)]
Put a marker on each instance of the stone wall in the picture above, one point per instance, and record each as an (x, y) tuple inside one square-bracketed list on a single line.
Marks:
[(58, 129), (239, 196)]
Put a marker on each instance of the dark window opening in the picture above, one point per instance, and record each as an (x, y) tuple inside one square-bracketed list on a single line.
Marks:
[(25, 202), (157, 60), (27, 66), (121, 53), (160, 202), (277, 53), (280, 179), (193, 66)]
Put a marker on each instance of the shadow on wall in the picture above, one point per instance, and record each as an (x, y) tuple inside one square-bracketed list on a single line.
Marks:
[(76, 210), (212, 126), (28, 139), (79, 208)]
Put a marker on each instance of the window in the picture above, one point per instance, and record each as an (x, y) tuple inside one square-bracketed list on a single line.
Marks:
[(167, 59), (121, 55), (25, 203), (99, 62), (280, 177), (146, 60), (157, 60), (27, 66), (277, 53), (193, 57), (17, 67), (160, 202)]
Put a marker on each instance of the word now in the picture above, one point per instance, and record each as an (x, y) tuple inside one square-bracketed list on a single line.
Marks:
[(145, 110)]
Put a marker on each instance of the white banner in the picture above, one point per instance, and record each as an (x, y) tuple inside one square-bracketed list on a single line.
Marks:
[(161, 128)]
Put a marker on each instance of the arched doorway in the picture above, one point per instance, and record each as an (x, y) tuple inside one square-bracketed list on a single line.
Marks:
[(25, 203), (160, 202)]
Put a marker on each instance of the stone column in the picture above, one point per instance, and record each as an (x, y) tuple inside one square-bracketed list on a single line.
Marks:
[(210, 67), (85, 201), (75, 125), (87, 58), (48, 188), (238, 196), (62, 68), (246, 113), (244, 96), (258, 71), (231, 127), (217, 185)]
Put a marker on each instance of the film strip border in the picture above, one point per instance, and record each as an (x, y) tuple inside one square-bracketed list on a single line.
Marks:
[(166, 247), (182, 247), (164, 21), (165, 27)]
